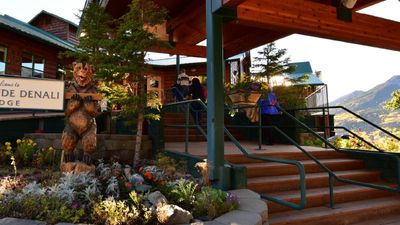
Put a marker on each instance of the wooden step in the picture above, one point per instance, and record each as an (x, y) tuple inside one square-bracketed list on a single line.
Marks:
[(387, 220), (313, 180), (319, 153), (182, 138), (342, 214), (320, 196), (275, 169)]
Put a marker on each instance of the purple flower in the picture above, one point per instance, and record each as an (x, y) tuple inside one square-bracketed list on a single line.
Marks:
[(255, 86), (231, 197), (75, 205)]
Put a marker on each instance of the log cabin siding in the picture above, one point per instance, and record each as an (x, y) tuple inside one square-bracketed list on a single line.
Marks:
[(56, 27), (17, 44)]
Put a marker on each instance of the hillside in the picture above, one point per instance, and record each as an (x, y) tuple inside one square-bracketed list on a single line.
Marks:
[(369, 104)]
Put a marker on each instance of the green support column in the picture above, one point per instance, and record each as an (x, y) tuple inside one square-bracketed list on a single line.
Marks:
[(178, 66), (215, 100)]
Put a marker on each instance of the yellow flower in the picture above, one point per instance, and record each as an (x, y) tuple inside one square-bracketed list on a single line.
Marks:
[(51, 148), (8, 148), (30, 141), (18, 141), (34, 144), (7, 143)]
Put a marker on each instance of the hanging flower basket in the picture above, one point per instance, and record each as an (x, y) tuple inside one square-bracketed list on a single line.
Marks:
[(253, 97), (240, 98), (237, 97)]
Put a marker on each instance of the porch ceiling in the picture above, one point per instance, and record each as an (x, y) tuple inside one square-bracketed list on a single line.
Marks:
[(262, 21)]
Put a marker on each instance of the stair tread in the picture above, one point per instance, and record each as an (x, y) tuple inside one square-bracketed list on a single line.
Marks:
[(310, 176), (389, 220), (287, 195), (326, 215), (304, 162)]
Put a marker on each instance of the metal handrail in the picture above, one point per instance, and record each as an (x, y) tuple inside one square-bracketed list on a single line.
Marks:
[(358, 136), (331, 174), (187, 125), (296, 163), (354, 114), (353, 134)]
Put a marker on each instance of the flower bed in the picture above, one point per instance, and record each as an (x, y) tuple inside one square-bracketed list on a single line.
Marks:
[(154, 193)]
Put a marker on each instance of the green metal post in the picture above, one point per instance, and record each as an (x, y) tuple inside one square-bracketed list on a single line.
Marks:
[(187, 105), (178, 66), (331, 194), (259, 129), (215, 101)]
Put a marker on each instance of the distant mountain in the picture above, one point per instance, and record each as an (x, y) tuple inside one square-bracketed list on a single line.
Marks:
[(347, 97), (369, 104)]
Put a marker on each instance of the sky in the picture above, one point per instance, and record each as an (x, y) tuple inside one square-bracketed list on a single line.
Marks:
[(345, 67)]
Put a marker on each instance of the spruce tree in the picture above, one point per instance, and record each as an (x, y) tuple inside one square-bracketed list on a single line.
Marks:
[(117, 48), (271, 62)]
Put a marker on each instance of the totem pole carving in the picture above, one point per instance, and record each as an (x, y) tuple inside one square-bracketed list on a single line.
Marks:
[(80, 114)]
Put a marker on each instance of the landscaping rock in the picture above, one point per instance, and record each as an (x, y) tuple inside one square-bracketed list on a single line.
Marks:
[(255, 206), (156, 198), (84, 168), (67, 167), (238, 217), (207, 223), (77, 168), (172, 214), (245, 193), (14, 221)]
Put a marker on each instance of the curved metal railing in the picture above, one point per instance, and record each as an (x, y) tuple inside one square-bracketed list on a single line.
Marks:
[(296, 163)]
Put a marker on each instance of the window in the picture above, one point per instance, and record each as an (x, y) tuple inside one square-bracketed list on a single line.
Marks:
[(32, 66), (3, 58)]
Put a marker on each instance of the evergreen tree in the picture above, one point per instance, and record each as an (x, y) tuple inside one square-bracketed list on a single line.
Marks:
[(117, 48), (271, 62)]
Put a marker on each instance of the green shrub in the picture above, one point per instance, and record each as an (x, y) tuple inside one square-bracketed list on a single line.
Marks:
[(25, 150), (114, 212), (211, 203), (183, 194), (46, 208)]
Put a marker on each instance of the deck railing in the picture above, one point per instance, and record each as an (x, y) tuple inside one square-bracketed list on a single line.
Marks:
[(331, 174)]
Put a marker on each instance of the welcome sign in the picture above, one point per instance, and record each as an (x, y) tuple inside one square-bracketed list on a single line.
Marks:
[(25, 93)]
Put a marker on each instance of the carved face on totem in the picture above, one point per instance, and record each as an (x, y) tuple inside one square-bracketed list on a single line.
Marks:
[(83, 74)]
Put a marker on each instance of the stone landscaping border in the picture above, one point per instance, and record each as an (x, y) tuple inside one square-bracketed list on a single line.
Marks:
[(252, 211)]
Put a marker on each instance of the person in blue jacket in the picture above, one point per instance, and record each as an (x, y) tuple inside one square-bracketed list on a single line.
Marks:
[(268, 111)]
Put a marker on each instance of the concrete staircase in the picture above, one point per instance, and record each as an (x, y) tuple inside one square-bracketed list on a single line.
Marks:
[(177, 134), (353, 203)]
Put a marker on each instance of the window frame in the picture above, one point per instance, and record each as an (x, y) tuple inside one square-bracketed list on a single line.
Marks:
[(33, 63), (4, 59)]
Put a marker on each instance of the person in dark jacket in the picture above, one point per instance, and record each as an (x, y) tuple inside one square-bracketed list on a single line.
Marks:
[(196, 92)]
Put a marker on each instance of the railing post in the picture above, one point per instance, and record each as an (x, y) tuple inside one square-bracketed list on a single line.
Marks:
[(331, 194), (215, 101), (187, 127), (324, 123), (259, 129)]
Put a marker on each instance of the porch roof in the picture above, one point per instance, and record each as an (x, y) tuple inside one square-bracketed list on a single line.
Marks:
[(251, 23)]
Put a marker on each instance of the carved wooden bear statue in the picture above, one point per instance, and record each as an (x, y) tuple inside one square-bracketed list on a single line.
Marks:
[(80, 115)]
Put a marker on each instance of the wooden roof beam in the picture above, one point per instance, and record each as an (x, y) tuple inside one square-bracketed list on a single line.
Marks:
[(181, 49), (190, 12), (314, 19), (249, 39), (232, 3)]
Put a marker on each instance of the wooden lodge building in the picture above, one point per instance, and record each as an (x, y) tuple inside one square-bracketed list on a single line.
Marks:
[(33, 49)]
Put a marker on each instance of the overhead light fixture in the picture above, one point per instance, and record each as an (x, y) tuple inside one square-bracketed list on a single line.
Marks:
[(349, 3)]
